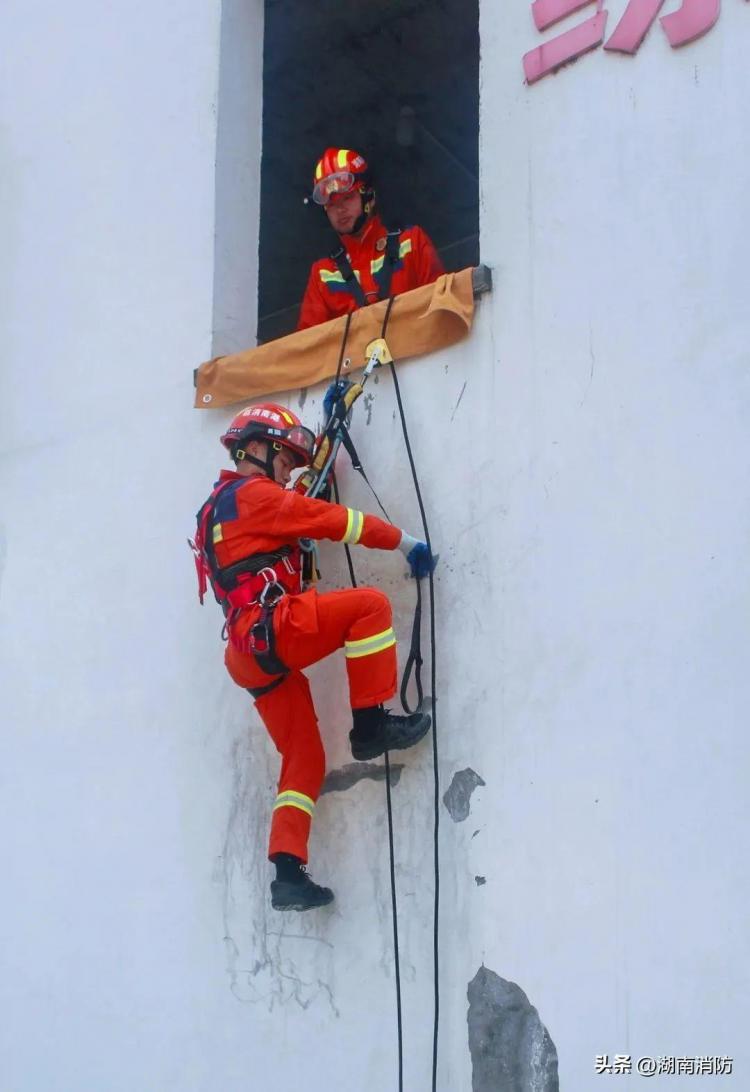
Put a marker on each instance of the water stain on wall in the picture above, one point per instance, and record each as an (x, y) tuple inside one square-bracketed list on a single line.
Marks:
[(510, 1047), (272, 959)]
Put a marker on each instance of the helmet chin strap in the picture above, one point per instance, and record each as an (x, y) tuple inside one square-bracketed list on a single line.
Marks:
[(266, 465)]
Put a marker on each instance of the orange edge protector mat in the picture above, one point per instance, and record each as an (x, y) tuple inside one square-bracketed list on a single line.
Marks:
[(421, 321)]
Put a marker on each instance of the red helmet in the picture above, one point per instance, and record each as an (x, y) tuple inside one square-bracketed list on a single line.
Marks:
[(340, 170), (274, 423)]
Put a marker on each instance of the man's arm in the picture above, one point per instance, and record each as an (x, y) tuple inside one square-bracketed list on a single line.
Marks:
[(286, 515), (305, 517)]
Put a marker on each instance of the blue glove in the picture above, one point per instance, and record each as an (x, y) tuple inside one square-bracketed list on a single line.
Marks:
[(421, 561), (334, 392)]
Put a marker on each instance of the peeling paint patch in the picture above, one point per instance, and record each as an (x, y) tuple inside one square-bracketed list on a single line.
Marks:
[(510, 1047), (369, 399), (480, 881), (302, 397), (457, 797), (343, 779)]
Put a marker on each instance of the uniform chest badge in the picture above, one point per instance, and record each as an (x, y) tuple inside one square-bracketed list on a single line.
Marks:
[(380, 245)]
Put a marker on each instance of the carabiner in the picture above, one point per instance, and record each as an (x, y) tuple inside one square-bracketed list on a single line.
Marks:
[(272, 591)]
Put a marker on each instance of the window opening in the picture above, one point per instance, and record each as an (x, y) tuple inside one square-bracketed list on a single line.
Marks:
[(398, 83)]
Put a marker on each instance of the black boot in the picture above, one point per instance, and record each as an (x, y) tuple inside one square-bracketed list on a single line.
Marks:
[(293, 889), (377, 730)]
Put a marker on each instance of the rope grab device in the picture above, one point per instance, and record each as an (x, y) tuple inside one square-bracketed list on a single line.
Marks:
[(336, 431)]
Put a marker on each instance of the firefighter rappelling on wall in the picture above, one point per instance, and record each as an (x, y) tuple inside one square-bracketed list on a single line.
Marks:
[(253, 545)]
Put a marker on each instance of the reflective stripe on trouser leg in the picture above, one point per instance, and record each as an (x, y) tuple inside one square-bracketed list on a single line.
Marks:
[(369, 646), (292, 799), (290, 824), (371, 665)]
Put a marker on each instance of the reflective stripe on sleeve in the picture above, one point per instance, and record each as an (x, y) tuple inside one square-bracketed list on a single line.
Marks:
[(218, 535), (292, 799), (355, 521), (369, 646)]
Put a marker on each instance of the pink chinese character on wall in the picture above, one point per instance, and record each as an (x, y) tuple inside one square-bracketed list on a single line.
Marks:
[(565, 47), (693, 19)]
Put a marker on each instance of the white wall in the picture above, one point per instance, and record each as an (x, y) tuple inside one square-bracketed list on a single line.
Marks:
[(583, 461), (614, 215), (112, 972)]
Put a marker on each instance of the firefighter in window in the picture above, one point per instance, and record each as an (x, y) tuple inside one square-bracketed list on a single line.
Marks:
[(250, 547), (371, 262)]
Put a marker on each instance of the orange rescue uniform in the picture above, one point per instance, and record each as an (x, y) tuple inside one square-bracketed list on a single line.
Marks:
[(328, 296), (256, 515)]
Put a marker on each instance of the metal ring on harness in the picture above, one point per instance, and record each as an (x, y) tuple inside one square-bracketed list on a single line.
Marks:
[(261, 642), (272, 591)]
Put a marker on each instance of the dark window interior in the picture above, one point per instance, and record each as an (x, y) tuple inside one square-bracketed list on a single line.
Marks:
[(398, 82)]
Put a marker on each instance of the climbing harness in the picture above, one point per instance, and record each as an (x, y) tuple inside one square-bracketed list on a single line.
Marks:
[(392, 255), (344, 266), (257, 580)]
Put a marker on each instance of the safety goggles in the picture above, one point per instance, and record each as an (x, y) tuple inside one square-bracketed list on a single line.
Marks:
[(333, 184), (298, 437)]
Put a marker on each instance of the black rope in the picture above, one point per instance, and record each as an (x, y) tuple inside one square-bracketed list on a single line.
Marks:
[(377, 498), (389, 805), (347, 547), (433, 680), (415, 661), (356, 462), (389, 809), (392, 855), (347, 324)]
